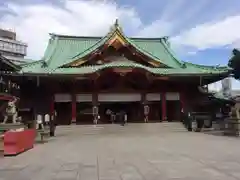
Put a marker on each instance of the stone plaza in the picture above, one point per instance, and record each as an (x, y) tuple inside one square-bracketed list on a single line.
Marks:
[(157, 151)]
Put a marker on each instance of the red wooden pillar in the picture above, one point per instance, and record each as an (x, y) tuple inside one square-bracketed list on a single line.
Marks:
[(164, 106), (74, 108)]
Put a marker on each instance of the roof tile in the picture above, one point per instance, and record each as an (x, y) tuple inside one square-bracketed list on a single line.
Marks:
[(62, 50)]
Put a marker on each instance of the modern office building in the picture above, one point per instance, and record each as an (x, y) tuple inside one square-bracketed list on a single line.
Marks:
[(11, 48)]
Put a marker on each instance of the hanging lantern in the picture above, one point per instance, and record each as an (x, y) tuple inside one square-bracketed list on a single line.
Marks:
[(2, 80)]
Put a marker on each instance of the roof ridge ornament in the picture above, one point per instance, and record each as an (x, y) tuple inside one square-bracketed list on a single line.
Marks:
[(183, 65), (115, 27), (116, 24)]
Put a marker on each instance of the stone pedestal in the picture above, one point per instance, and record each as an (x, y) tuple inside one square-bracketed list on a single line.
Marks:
[(1, 145), (232, 127), (16, 142), (10, 126)]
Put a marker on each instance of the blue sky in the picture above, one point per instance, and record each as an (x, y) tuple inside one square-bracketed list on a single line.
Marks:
[(202, 32)]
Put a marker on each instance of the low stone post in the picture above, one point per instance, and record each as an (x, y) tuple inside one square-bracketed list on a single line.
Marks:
[(232, 127), (232, 124)]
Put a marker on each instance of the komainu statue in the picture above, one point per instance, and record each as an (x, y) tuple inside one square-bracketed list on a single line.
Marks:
[(235, 111), (11, 111), (232, 124)]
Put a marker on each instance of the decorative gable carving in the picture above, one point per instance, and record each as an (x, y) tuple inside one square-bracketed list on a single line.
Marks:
[(117, 59), (117, 41)]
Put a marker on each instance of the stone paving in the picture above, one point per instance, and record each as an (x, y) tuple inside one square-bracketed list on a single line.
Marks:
[(133, 152)]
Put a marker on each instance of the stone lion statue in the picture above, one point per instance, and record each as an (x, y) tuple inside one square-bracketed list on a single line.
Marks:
[(11, 111), (235, 111)]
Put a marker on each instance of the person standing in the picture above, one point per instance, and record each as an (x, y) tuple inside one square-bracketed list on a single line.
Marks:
[(53, 124), (125, 118), (122, 118)]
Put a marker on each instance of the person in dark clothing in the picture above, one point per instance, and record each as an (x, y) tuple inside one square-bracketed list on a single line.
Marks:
[(122, 118), (52, 125), (52, 128)]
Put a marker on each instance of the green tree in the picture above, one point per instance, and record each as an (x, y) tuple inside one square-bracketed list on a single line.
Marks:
[(234, 63)]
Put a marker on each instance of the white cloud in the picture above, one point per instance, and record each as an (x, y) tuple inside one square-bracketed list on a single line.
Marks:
[(236, 44), (211, 35), (172, 9), (158, 28), (33, 23)]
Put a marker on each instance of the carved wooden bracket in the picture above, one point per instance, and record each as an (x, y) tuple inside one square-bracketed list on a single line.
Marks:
[(162, 78)]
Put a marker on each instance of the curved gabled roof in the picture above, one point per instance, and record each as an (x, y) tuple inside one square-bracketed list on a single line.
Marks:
[(9, 63), (63, 49)]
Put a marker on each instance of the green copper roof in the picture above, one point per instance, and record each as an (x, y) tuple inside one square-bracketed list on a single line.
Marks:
[(62, 50), (8, 62)]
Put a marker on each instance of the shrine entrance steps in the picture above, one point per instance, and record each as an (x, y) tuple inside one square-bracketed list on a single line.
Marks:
[(128, 129)]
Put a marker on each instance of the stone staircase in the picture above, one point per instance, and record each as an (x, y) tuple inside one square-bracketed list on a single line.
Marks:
[(130, 128)]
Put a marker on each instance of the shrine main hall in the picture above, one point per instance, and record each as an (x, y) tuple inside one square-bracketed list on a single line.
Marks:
[(81, 77)]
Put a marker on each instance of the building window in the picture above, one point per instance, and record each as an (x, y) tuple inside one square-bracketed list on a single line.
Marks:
[(22, 49), (10, 45), (14, 47), (18, 48), (1, 45)]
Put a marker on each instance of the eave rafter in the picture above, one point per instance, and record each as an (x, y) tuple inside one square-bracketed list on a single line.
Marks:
[(149, 76), (95, 76), (151, 61), (77, 63), (10, 64)]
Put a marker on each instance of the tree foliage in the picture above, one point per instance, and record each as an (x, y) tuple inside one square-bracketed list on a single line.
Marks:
[(234, 63)]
